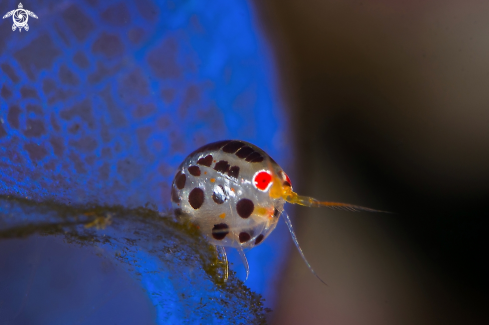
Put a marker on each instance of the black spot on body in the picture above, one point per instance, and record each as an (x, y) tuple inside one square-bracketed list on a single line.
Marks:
[(180, 179), (245, 208), (219, 196), (276, 213), (232, 146), (220, 231), (244, 152), (244, 237), (258, 159), (253, 156), (285, 183), (259, 239), (222, 166), (196, 198), (194, 170), (206, 161), (234, 172)]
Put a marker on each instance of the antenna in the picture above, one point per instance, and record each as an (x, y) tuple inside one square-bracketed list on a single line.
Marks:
[(294, 239)]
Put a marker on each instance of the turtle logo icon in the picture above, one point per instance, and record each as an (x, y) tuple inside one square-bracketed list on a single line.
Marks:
[(20, 17)]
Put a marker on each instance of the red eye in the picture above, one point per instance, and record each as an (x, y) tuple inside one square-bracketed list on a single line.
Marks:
[(262, 180)]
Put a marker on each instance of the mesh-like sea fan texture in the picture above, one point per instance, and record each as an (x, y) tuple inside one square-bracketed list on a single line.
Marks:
[(175, 266), (100, 101)]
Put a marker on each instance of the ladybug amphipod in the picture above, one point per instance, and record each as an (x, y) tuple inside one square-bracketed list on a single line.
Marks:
[(235, 193)]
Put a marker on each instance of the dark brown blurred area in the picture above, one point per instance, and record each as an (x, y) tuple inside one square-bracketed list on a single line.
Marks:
[(390, 104)]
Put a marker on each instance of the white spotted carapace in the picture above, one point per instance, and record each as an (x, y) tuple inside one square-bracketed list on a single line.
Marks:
[(235, 193)]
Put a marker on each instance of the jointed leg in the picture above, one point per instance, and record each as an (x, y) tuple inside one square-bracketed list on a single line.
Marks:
[(222, 251), (245, 261)]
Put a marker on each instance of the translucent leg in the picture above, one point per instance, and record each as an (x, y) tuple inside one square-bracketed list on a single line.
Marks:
[(245, 261), (222, 251), (294, 239)]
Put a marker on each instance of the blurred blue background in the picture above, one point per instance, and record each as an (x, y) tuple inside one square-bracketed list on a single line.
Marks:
[(101, 100)]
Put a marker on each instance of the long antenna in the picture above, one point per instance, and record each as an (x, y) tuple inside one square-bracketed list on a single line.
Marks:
[(294, 239), (312, 202)]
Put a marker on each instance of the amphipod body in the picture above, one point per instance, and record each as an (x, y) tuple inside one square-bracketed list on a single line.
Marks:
[(223, 188), (235, 193)]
